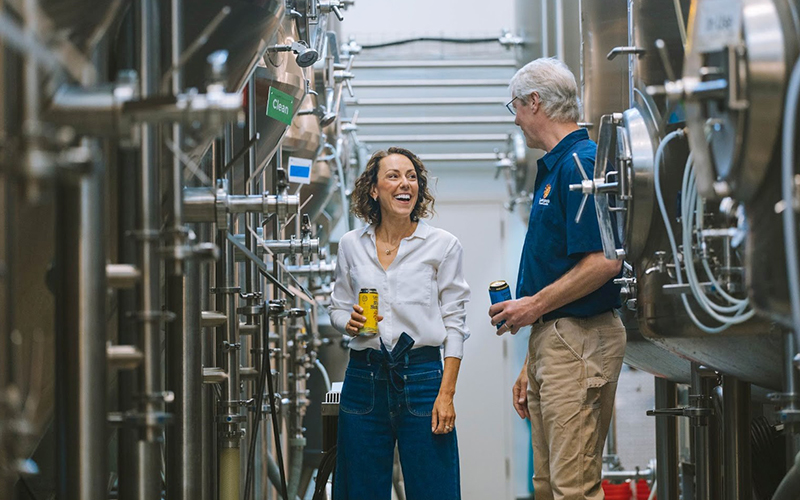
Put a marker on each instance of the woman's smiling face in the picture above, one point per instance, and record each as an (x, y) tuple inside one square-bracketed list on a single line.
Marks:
[(397, 188)]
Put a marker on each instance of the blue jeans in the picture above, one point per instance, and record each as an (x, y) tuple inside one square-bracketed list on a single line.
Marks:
[(376, 412)]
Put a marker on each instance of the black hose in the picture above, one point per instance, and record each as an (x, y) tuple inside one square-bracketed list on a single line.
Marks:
[(789, 488), (767, 458), (258, 404), (429, 39), (274, 410), (326, 468)]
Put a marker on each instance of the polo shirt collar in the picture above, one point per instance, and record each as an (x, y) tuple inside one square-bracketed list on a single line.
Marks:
[(554, 156)]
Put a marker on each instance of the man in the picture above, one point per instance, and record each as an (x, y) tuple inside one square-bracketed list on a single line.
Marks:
[(565, 291)]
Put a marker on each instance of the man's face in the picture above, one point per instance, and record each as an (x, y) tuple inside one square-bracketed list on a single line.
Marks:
[(526, 117)]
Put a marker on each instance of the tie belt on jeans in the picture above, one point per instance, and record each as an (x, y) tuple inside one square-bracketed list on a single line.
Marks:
[(401, 355)]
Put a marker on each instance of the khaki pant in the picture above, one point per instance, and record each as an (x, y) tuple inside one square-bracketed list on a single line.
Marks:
[(573, 367)]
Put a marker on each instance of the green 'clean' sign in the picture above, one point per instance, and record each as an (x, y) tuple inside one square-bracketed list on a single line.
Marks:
[(279, 106)]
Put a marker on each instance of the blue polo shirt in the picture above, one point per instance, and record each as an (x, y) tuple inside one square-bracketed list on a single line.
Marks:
[(554, 243)]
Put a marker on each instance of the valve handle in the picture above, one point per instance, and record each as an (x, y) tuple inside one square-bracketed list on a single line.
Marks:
[(663, 53), (580, 187)]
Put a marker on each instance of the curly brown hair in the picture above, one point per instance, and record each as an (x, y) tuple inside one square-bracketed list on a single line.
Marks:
[(369, 210)]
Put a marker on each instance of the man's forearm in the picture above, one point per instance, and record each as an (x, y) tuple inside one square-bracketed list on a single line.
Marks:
[(589, 274)]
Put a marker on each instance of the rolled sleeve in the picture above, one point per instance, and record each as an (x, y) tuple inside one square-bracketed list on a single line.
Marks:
[(343, 296), (453, 297)]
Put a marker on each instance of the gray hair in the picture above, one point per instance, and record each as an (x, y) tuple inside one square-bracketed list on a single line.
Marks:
[(555, 84)]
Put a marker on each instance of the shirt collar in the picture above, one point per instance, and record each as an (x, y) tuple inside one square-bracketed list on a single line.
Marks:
[(554, 156), (422, 231)]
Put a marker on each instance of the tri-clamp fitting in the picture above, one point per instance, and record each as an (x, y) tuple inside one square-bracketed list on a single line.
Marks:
[(207, 205)]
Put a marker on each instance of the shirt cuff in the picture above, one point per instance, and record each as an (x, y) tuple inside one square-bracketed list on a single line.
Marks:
[(454, 345), (339, 319)]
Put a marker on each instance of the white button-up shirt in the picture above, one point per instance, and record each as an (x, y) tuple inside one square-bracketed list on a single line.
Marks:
[(422, 293)]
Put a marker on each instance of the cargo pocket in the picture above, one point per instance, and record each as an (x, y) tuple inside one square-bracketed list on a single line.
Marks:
[(358, 392), (421, 391), (591, 415)]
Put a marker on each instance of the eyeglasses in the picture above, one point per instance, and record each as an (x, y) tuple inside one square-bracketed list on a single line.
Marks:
[(510, 106)]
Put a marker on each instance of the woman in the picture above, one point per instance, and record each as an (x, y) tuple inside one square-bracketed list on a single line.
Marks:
[(395, 390)]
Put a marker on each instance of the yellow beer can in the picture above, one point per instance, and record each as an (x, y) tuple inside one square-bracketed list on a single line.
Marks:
[(368, 300)]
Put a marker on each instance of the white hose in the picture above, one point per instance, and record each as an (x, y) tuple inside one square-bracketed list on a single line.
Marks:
[(671, 235), (324, 373), (653, 491), (693, 208), (787, 188)]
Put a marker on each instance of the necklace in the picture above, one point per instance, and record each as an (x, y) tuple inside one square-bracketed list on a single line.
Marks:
[(390, 250)]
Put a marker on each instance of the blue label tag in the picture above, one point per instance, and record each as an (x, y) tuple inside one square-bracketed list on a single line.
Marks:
[(299, 170)]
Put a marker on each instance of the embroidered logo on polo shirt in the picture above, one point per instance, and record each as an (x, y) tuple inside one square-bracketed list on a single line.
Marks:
[(543, 200)]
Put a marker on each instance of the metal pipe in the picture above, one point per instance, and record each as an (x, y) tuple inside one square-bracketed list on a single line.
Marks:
[(204, 204), (666, 396), (31, 126), (184, 348), (122, 275), (545, 17), (252, 276), (435, 138), (228, 349), (459, 157), (200, 204), (80, 335), (622, 475), (7, 236), (127, 334), (176, 170), (631, 58), (736, 431), (212, 319), (700, 435), (239, 204), (559, 11), (438, 120), (294, 246), (185, 378), (150, 315), (715, 443), (611, 443), (342, 186), (123, 357), (264, 204), (208, 408), (214, 375), (314, 269), (425, 101), (502, 63), (431, 83)]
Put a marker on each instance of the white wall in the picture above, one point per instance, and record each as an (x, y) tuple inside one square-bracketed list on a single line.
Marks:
[(370, 20)]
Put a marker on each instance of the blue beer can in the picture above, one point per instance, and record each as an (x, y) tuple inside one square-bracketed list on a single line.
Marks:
[(499, 291)]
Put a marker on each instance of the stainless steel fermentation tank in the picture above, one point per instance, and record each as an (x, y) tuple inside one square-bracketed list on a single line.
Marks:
[(138, 156), (703, 208)]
